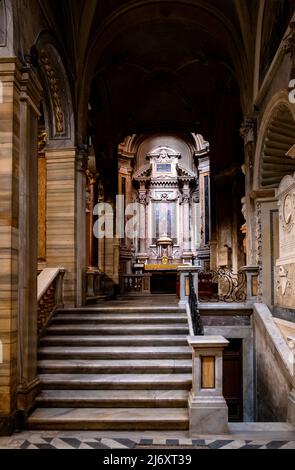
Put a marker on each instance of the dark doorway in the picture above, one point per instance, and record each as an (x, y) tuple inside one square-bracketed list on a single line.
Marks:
[(233, 379), (163, 283)]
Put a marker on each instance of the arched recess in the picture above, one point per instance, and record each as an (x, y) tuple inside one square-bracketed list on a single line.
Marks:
[(58, 102), (59, 175), (274, 159), (275, 140)]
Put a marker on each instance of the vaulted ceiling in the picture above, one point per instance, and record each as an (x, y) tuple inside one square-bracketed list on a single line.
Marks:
[(159, 65)]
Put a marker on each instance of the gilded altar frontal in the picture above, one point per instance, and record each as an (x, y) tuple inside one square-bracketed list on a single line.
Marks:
[(147, 225)]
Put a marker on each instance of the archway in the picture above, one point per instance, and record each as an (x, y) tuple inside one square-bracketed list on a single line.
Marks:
[(274, 160)]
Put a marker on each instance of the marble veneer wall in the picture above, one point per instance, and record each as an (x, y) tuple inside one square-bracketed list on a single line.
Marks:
[(21, 94), (9, 172), (60, 220), (274, 379)]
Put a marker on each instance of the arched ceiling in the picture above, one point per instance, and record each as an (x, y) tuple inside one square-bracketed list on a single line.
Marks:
[(158, 65), (97, 32)]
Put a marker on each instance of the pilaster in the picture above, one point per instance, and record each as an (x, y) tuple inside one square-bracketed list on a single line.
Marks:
[(10, 77), (30, 98)]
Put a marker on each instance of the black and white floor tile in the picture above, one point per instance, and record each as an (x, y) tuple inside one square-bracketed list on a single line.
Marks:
[(60, 441)]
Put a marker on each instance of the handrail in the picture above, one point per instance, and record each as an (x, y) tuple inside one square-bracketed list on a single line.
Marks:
[(49, 295), (194, 310), (45, 279)]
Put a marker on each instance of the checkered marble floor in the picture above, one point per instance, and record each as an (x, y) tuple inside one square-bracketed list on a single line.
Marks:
[(55, 440)]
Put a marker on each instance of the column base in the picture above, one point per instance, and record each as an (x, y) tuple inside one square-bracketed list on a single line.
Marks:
[(7, 424), (291, 407), (208, 415), (26, 395)]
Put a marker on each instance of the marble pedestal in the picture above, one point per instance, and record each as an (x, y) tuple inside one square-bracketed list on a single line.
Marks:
[(208, 415), (208, 411)]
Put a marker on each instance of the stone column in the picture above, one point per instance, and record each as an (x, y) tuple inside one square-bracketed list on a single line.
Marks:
[(247, 132), (81, 165), (28, 243), (186, 223), (61, 216), (91, 182), (208, 412), (291, 398), (142, 220), (111, 246), (9, 238)]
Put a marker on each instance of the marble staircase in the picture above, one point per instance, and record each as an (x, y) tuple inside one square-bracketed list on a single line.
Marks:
[(115, 367)]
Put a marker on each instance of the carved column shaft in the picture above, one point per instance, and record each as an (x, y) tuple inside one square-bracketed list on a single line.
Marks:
[(248, 133), (91, 184), (81, 165)]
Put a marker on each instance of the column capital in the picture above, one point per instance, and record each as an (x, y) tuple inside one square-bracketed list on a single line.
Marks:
[(248, 129), (82, 158)]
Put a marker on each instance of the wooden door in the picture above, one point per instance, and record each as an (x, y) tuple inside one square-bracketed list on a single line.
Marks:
[(233, 379)]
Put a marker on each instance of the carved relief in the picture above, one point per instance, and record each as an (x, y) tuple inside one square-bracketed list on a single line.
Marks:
[(55, 92), (283, 282), (142, 199), (42, 140), (165, 196), (286, 203), (287, 215), (247, 130), (289, 43), (259, 249)]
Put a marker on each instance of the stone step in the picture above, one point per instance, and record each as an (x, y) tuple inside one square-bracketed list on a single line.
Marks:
[(118, 318), (116, 381), (113, 398), (70, 366), (149, 329), (109, 352), (116, 340), (108, 418), (123, 309)]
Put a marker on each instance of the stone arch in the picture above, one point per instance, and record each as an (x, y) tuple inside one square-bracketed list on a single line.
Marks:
[(58, 109), (273, 158)]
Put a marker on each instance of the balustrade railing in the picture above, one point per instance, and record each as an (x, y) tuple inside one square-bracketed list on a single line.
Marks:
[(222, 285), (194, 310), (135, 284), (49, 296)]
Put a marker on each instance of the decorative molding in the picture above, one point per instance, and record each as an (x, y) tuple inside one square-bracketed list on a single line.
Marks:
[(55, 92)]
